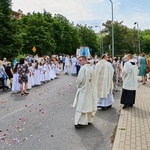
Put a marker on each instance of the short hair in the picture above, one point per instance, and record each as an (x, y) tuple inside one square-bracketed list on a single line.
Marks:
[(130, 55), (21, 61), (143, 55), (103, 56), (83, 57), (8, 63)]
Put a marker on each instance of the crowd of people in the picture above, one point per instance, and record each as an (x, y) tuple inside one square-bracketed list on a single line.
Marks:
[(28, 72), (96, 84), (97, 78)]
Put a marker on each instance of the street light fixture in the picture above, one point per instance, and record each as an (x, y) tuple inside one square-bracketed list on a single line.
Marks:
[(101, 41), (112, 28), (136, 23)]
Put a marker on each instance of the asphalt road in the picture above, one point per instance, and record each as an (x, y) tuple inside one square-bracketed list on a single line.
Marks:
[(43, 120)]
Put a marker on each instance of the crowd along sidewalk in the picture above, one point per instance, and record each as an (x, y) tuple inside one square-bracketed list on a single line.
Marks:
[(133, 131)]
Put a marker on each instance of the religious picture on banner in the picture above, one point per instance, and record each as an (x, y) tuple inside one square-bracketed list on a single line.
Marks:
[(83, 51)]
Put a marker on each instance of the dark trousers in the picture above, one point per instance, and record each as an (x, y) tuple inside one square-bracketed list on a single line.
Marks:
[(78, 68), (2, 82), (128, 97), (63, 65)]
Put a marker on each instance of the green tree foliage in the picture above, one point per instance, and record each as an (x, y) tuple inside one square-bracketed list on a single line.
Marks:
[(56, 35), (65, 35), (37, 31), (145, 41), (9, 41), (123, 38)]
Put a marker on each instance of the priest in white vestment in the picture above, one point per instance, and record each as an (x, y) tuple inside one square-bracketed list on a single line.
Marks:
[(85, 100), (104, 82)]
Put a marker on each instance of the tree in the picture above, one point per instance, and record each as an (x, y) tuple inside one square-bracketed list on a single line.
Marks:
[(37, 31), (124, 38), (145, 41), (10, 41)]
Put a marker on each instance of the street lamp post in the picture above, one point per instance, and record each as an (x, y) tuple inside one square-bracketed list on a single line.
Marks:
[(101, 42), (136, 23), (112, 28)]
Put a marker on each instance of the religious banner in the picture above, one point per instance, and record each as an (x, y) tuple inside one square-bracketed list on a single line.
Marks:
[(83, 51)]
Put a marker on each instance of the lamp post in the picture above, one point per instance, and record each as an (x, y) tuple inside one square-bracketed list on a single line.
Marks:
[(112, 28), (136, 23), (101, 41)]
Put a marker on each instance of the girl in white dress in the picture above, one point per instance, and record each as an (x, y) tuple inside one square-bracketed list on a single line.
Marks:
[(42, 74), (57, 68), (47, 73), (37, 71), (30, 77), (31, 68), (15, 83), (53, 74)]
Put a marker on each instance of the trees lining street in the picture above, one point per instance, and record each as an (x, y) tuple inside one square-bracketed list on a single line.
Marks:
[(57, 35)]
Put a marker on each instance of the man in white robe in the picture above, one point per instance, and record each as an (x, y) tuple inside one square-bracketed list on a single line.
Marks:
[(104, 82), (67, 64), (73, 65), (130, 82), (85, 100)]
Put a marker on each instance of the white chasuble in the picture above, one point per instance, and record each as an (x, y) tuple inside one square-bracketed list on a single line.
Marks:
[(85, 100)]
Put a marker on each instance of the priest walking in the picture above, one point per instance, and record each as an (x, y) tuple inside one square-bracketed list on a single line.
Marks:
[(85, 100), (104, 83), (130, 82)]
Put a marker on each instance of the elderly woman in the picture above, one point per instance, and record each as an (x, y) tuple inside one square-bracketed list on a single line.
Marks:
[(3, 75)]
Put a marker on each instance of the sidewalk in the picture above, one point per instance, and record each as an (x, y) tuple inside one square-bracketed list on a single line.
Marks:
[(133, 131)]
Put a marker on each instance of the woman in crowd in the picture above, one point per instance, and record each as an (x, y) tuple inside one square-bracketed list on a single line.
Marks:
[(142, 68), (148, 64), (15, 83), (3, 75), (9, 72), (23, 71), (117, 71)]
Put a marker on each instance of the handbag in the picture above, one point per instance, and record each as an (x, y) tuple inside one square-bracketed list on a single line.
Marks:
[(8, 83), (3, 75), (147, 69)]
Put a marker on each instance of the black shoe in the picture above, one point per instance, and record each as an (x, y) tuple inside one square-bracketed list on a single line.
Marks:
[(109, 106), (78, 126), (125, 106), (89, 123), (104, 108), (131, 105), (99, 107)]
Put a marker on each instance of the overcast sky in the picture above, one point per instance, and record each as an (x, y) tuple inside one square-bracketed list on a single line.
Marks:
[(92, 12)]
